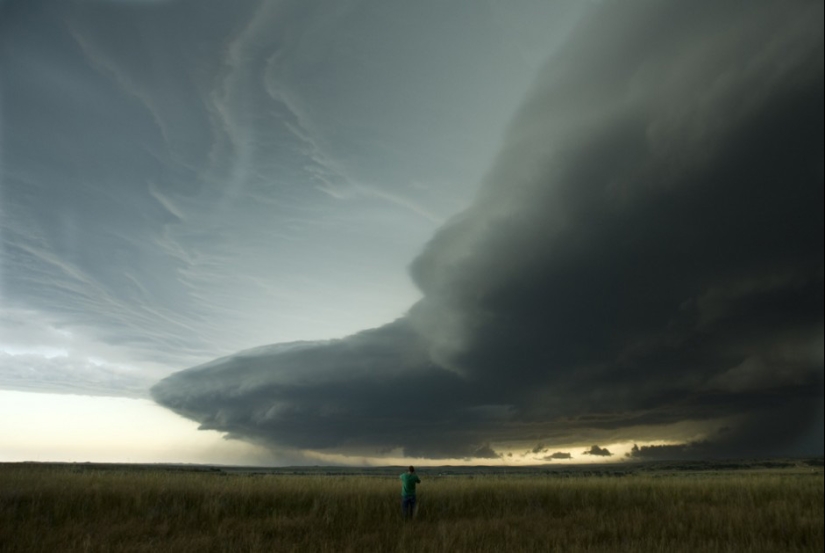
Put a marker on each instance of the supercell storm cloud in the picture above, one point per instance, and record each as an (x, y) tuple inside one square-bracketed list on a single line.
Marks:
[(643, 261)]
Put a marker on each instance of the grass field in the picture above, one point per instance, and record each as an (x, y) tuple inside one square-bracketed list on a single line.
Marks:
[(71, 509)]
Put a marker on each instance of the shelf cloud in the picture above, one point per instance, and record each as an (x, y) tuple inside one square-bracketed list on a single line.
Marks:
[(643, 261)]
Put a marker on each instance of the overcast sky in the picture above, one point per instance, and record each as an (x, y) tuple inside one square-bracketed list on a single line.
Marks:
[(357, 230)]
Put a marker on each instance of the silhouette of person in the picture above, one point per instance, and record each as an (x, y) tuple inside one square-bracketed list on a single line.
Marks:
[(409, 480)]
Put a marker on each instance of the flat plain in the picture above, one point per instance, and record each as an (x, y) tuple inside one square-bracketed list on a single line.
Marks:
[(752, 506)]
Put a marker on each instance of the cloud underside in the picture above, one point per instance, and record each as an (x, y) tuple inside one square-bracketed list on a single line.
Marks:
[(645, 253)]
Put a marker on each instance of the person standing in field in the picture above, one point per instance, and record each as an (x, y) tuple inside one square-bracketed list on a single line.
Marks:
[(409, 480)]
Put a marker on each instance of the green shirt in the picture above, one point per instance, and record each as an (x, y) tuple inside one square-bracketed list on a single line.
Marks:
[(408, 482)]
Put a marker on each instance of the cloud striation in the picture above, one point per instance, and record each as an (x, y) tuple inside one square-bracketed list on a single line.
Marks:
[(643, 261)]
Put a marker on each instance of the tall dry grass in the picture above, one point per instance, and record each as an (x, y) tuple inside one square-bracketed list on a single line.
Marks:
[(58, 509)]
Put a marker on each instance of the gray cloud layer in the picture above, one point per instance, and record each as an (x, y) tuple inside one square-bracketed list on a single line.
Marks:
[(646, 251)]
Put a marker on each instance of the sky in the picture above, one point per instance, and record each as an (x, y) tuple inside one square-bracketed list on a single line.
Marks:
[(370, 232)]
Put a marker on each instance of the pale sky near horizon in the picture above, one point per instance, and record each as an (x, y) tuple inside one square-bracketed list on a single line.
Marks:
[(569, 223)]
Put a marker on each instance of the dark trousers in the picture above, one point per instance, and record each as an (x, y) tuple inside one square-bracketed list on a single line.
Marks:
[(408, 506)]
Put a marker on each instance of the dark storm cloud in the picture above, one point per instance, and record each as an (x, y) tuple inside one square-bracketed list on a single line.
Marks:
[(646, 251), (657, 452), (598, 451), (558, 455), (352, 394)]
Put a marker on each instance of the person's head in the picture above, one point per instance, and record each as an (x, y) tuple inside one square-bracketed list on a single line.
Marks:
[(411, 469)]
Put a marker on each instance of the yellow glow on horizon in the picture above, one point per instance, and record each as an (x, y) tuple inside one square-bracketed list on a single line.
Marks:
[(618, 450)]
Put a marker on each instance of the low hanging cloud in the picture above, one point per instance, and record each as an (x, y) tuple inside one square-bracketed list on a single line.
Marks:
[(598, 451), (558, 455), (644, 255)]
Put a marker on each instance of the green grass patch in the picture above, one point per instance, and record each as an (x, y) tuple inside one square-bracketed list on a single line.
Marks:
[(64, 509)]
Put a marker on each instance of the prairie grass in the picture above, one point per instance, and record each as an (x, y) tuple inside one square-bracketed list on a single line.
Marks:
[(53, 509)]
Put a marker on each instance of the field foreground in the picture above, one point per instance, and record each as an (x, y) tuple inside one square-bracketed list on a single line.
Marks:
[(95, 509)]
